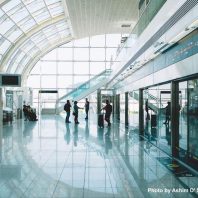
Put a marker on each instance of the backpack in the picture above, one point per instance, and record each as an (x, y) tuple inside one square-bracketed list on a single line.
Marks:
[(65, 107)]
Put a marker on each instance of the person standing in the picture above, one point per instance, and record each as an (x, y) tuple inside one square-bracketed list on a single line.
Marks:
[(75, 113), (108, 110), (168, 112), (86, 108), (67, 108)]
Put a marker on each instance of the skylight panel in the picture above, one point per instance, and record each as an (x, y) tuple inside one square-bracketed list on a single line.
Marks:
[(28, 25), (19, 15), (4, 46), (11, 5), (15, 35), (6, 25)]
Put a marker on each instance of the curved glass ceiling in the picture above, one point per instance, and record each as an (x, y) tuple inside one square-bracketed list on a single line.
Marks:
[(20, 17)]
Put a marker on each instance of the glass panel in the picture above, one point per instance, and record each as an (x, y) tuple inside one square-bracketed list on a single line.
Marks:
[(81, 53), (82, 42), (50, 56), (33, 81), (1, 13), (81, 67), (48, 2), (183, 116), (4, 46), (65, 67), (64, 81), (42, 17), (133, 111), (97, 41), (122, 108), (10, 5), (19, 15), (28, 25), (110, 54), (36, 69), (48, 68), (80, 79), (157, 116), (192, 121), (65, 54), (15, 35), (97, 67), (48, 81), (113, 40), (56, 11), (33, 7), (97, 54), (5, 26)]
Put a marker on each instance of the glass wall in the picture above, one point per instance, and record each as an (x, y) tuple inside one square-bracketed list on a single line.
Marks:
[(188, 122), (157, 116), (71, 64), (133, 110), (122, 108)]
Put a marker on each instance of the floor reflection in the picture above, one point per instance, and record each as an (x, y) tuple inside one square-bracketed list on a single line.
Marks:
[(49, 158)]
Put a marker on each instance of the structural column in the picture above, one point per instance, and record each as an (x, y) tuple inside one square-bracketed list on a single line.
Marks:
[(141, 113), (118, 106), (126, 108), (175, 119), (99, 101)]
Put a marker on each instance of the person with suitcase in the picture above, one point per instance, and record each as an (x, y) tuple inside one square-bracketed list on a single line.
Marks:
[(108, 111)]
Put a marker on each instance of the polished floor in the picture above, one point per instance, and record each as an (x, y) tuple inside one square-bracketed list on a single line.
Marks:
[(49, 158)]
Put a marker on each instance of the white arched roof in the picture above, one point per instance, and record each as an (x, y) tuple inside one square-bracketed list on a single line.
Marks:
[(29, 28)]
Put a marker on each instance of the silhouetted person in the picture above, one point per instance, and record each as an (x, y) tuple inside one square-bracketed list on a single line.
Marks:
[(168, 112), (147, 110), (67, 108), (108, 110), (86, 108), (75, 113), (25, 111)]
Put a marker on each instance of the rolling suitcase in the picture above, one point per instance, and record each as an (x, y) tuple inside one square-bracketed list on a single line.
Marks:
[(100, 120)]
